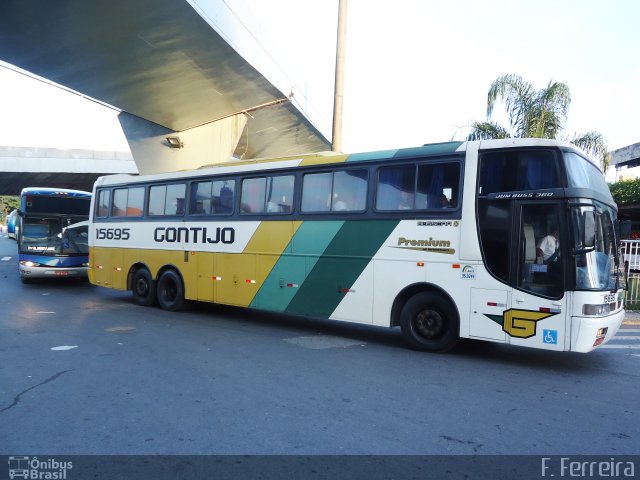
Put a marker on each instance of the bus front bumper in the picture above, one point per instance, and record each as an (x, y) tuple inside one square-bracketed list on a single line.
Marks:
[(50, 272), (588, 333)]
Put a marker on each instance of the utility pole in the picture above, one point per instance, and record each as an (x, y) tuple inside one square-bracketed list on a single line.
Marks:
[(336, 140)]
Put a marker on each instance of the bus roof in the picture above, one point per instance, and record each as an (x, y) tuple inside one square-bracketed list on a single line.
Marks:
[(325, 158), (261, 164), (54, 192)]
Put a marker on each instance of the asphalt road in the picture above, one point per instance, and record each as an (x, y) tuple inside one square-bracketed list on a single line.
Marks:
[(85, 371)]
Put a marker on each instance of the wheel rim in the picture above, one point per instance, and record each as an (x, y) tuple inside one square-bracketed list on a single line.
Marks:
[(429, 324), (142, 287), (170, 291)]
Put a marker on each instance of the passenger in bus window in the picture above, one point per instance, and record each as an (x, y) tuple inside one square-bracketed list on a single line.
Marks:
[(406, 200), (339, 204), (549, 246), (199, 210)]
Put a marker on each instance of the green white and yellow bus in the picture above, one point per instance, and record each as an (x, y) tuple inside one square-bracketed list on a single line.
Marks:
[(445, 241)]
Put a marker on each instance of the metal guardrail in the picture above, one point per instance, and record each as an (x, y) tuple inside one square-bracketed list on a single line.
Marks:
[(631, 253)]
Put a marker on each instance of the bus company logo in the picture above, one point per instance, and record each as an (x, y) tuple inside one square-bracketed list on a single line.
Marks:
[(431, 245), (36, 469), (520, 323), (468, 273), (203, 235)]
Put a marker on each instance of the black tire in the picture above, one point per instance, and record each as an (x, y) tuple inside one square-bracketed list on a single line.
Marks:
[(170, 291), (429, 323), (143, 288), (25, 280)]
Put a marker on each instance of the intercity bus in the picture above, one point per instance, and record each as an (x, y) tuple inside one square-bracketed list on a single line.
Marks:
[(445, 241), (46, 247), (11, 224)]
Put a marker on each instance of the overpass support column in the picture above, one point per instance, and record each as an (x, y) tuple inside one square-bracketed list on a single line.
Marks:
[(211, 143)]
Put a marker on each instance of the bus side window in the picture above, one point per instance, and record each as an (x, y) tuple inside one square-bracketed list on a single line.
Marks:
[(157, 195), (395, 190), (435, 182), (252, 195), (167, 199), (135, 202), (103, 203), (316, 192), (174, 203), (280, 194), (119, 207), (200, 198), (349, 190), (223, 196)]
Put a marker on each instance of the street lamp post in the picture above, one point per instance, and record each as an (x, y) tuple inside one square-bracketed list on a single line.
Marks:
[(336, 140)]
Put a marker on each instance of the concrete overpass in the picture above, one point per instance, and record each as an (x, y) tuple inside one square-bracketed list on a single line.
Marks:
[(188, 70), (626, 157), (27, 167)]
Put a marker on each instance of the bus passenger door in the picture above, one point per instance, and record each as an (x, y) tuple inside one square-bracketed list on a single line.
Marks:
[(537, 316)]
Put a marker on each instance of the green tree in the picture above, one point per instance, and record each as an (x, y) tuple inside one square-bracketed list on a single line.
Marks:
[(535, 114), (7, 203), (626, 192)]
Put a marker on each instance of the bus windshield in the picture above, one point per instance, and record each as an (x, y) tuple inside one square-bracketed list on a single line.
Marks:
[(596, 264), (44, 236)]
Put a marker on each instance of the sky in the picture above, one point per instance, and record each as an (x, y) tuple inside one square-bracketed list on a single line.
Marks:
[(417, 71)]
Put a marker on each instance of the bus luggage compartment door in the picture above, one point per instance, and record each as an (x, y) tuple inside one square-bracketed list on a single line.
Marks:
[(487, 311)]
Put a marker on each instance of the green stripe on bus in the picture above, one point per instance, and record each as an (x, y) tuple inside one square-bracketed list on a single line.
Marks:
[(290, 271), (340, 266)]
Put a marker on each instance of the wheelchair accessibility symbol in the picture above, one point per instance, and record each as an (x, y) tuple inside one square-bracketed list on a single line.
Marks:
[(550, 336)]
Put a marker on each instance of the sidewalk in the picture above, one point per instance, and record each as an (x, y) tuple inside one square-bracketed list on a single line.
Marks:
[(631, 318)]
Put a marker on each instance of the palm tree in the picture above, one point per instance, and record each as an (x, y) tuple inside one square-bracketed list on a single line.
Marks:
[(535, 114)]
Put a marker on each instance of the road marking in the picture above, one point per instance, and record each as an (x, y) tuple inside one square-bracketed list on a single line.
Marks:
[(629, 330), (119, 329), (45, 312), (631, 347), (626, 337), (4, 259), (64, 347), (321, 342)]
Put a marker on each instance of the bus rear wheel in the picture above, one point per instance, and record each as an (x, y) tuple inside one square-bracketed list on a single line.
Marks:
[(143, 288), (170, 291), (429, 323)]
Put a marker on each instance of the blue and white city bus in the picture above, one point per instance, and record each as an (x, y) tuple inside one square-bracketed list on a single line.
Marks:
[(47, 248)]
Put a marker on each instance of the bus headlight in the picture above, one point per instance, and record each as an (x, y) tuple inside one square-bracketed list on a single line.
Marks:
[(596, 310), (29, 263)]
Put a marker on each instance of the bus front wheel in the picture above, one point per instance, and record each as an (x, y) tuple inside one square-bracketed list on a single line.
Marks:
[(143, 288), (429, 323), (170, 291)]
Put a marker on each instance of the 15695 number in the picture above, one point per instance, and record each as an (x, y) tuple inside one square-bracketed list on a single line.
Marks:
[(113, 233)]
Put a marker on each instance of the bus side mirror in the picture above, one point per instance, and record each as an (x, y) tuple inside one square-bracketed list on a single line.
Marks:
[(589, 230)]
